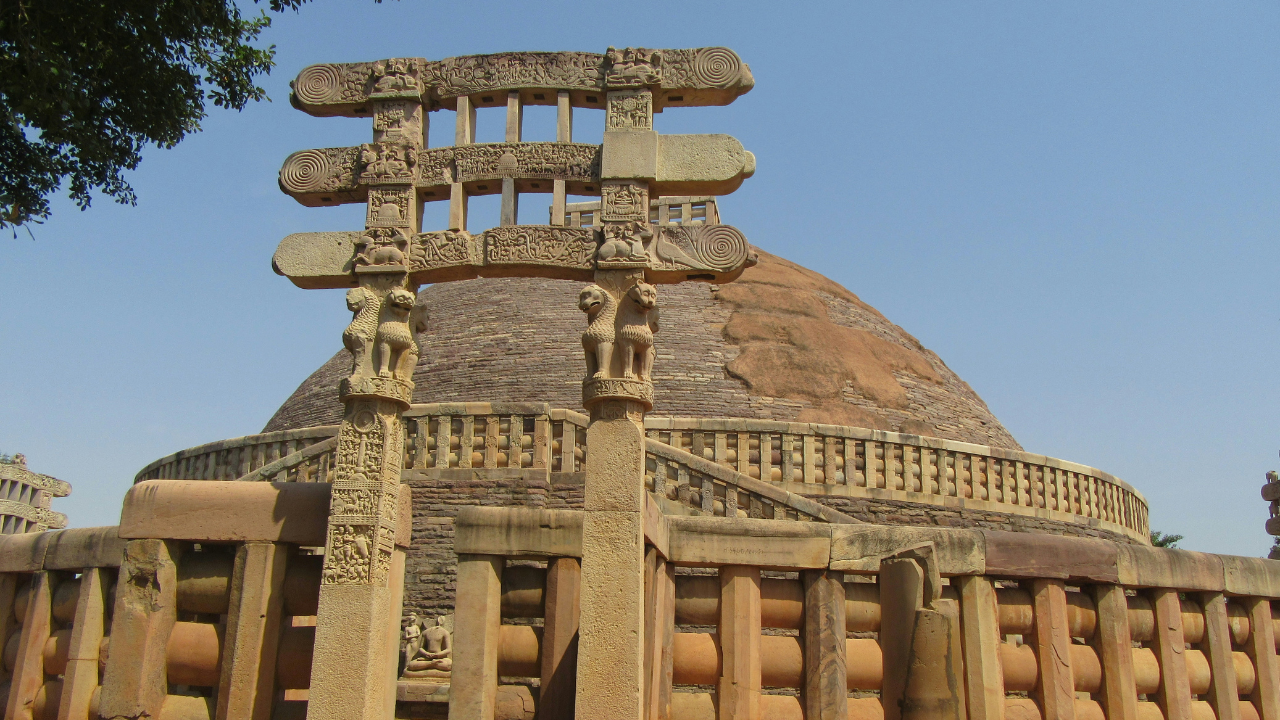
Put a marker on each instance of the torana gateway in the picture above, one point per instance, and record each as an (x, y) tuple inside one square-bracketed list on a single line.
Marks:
[(776, 505)]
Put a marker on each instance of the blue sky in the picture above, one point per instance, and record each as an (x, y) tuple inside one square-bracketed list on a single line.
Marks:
[(1076, 205)]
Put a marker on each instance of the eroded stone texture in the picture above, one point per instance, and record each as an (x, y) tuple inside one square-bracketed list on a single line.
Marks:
[(780, 343)]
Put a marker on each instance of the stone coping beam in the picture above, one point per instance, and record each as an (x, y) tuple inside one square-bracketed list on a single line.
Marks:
[(859, 549), (201, 511), (71, 549)]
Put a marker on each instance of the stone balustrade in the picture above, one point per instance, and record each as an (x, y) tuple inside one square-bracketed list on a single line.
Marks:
[(803, 460), (237, 457), (202, 603), (1002, 625)]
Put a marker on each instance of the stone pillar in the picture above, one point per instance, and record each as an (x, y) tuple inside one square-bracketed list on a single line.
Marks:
[(660, 599), (358, 623), (611, 630), (924, 670)]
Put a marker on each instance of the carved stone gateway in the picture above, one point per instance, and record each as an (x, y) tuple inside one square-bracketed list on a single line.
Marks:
[(625, 258)]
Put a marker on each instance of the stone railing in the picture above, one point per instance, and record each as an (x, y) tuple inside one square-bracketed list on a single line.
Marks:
[(952, 623), (812, 459), (804, 459), (237, 457), (680, 480)]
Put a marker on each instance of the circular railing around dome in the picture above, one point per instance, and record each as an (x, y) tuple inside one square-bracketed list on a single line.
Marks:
[(802, 459)]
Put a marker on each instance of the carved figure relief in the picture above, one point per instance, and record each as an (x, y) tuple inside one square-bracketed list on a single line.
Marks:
[(444, 248), (630, 111), (348, 555), (398, 122), (359, 335), (471, 74), (540, 244), (426, 647), (395, 77), (632, 66), (623, 245), (637, 321), (396, 346), (381, 246), (388, 208), (624, 201), (387, 162), (568, 161), (597, 341)]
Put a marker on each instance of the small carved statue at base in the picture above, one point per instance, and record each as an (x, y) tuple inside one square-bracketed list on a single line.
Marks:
[(637, 321), (394, 339), (597, 341), (426, 648), (358, 337)]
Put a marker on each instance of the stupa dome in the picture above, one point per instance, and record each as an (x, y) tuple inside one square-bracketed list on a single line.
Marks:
[(781, 343)]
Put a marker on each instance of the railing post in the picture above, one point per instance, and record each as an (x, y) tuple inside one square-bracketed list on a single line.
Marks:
[(28, 668), (474, 683), (81, 676), (560, 639), (660, 599), (738, 691), (247, 683), (825, 694), (984, 678), (135, 682), (1055, 687), (1262, 650), (1223, 694), (1114, 646), (1174, 695)]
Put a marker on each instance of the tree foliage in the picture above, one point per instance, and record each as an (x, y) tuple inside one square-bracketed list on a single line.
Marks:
[(1164, 540), (85, 85)]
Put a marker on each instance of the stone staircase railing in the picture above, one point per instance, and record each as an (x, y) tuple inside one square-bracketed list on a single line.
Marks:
[(802, 459)]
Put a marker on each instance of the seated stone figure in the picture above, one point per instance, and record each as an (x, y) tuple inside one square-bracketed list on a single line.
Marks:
[(426, 648)]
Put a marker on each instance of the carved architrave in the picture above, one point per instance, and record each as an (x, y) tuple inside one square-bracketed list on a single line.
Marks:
[(389, 207), (387, 163), (320, 171), (632, 67), (18, 472), (398, 121), (472, 74), (629, 110), (623, 200), (558, 161), (345, 88), (43, 518), (560, 247)]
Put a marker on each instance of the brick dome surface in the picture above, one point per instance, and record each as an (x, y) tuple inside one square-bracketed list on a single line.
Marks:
[(780, 343)]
